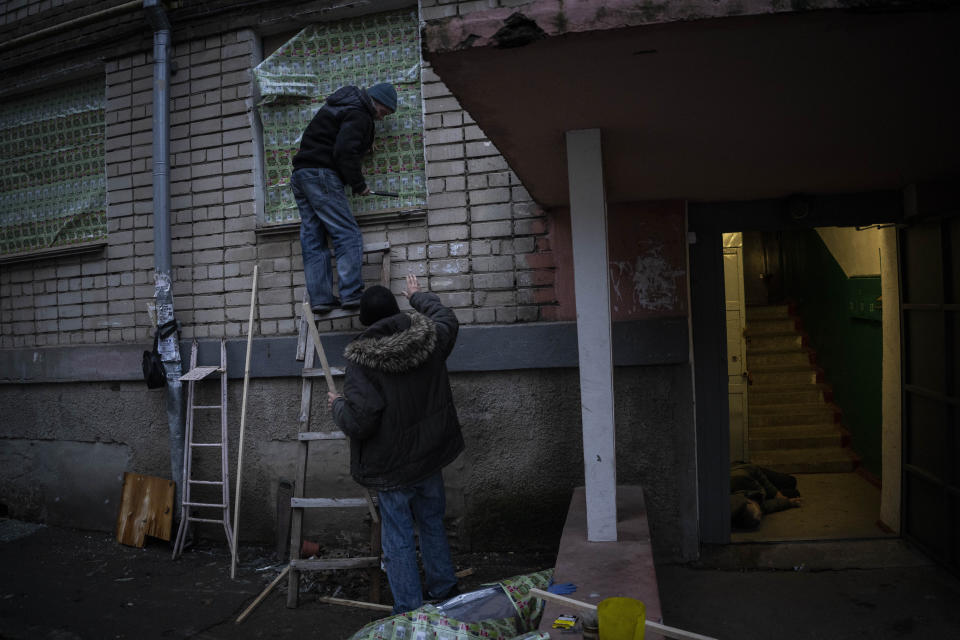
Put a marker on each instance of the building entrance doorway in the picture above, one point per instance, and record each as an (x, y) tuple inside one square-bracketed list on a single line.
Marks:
[(805, 348)]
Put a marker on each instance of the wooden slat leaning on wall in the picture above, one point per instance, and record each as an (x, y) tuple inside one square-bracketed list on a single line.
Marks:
[(146, 509)]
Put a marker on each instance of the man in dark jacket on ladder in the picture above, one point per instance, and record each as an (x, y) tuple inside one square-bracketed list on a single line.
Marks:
[(397, 408), (330, 156)]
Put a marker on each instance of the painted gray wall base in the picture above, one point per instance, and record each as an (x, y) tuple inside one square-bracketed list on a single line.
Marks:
[(75, 484), (479, 348), (508, 490)]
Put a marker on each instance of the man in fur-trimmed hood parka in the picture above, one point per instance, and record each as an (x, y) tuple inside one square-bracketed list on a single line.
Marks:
[(397, 409)]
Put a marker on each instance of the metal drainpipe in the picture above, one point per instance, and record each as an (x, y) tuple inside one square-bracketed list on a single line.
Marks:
[(170, 347)]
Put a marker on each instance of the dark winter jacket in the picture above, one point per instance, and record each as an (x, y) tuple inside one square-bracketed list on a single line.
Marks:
[(339, 135), (397, 406)]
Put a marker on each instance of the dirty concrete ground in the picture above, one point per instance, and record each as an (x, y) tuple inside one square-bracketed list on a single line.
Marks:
[(65, 584)]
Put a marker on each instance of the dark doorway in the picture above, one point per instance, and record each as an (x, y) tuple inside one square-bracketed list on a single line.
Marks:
[(930, 259)]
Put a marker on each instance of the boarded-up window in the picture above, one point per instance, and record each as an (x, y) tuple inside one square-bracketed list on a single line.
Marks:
[(52, 170), (296, 79)]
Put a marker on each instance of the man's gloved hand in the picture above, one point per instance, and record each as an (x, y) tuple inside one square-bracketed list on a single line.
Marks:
[(561, 588)]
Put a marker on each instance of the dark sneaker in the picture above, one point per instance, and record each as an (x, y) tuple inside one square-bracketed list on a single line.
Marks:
[(326, 307), (428, 599), (352, 303)]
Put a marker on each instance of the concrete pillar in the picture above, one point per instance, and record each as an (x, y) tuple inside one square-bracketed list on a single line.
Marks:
[(588, 223), (891, 449)]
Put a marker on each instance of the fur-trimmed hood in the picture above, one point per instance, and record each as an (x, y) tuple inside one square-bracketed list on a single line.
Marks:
[(401, 350)]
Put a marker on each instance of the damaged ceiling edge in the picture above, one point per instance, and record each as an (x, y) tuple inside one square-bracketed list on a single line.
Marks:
[(520, 26)]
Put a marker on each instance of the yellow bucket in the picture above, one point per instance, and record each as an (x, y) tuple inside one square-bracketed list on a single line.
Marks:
[(621, 619)]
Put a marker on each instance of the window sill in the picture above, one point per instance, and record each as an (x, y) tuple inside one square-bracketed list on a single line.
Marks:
[(53, 252), (364, 219)]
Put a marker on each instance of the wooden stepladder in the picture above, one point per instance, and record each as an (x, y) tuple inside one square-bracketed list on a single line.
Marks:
[(309, 346), (190, 445)]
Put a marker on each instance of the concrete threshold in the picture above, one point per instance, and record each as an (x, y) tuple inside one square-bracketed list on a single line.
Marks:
[(606, 569), (819, 555)]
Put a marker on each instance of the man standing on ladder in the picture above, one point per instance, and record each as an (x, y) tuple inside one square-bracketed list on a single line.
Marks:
[(330, 156), (397, 408)]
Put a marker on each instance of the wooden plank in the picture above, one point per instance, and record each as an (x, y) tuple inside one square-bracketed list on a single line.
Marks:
[(263, 594), (315, 335), (243, 423), (316, 373), (356, 603), (146, 509), (326, 564), (327, 503)]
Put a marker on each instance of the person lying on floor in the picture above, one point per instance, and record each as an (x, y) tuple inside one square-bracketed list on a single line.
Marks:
[(755, 491)]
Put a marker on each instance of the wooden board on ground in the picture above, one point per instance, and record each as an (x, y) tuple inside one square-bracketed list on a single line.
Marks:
[(146, 509)]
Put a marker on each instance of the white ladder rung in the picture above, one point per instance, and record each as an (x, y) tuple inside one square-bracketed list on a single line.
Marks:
[(208, 406), (199, 373), (217, 482), (320, 503), (321, 435), (210, 520), (206, 444), (204, 504)]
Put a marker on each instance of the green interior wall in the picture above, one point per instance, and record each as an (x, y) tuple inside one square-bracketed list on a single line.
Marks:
[(841, 315)]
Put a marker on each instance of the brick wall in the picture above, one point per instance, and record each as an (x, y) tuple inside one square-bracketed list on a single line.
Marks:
[(483, 245)]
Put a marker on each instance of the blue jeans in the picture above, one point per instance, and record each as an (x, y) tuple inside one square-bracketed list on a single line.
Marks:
[(324, 210), (424, 503)]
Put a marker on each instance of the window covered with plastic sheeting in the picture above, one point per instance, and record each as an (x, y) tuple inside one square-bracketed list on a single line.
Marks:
[(52, 169), (294, 81)]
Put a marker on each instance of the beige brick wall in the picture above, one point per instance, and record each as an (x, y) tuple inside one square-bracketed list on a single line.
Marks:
[(482, 245)]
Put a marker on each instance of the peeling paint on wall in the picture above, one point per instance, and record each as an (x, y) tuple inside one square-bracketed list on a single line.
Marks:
[(648, 283)]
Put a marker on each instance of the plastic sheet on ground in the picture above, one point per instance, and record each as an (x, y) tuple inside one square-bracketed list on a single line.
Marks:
[(503, 611)]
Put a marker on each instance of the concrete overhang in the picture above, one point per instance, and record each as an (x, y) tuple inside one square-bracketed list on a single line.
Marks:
[(700, 104)]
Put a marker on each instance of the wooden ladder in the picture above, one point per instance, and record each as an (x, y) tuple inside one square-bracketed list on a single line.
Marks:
[(308, 347), (195, 374)]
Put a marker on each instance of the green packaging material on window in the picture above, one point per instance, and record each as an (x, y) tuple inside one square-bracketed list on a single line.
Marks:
[(295, 80), (52, 171)]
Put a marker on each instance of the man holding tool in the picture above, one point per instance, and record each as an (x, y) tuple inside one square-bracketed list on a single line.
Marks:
[(331, 153), (397, 408)]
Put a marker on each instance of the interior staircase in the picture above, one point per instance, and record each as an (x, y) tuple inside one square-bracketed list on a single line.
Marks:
[(794, 426)]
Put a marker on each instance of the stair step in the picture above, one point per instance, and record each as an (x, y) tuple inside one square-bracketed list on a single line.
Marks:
[(761, 344), (775, 378), (821, 460), (793, 409), (784, 326), (778, 359), (760, 397), (824, 415), (768, 311), (797, 437)]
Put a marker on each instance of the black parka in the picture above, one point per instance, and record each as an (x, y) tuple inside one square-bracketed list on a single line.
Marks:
[(339, 135), (397, 406)]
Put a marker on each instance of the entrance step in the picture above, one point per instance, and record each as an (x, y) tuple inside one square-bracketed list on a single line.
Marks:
[(822, 460), (804, 436)]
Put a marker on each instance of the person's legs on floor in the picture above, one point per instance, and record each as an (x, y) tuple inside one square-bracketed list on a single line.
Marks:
[(429, 506), (399, 549)]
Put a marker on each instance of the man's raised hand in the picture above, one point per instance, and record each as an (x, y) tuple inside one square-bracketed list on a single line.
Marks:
[(413, 286)]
